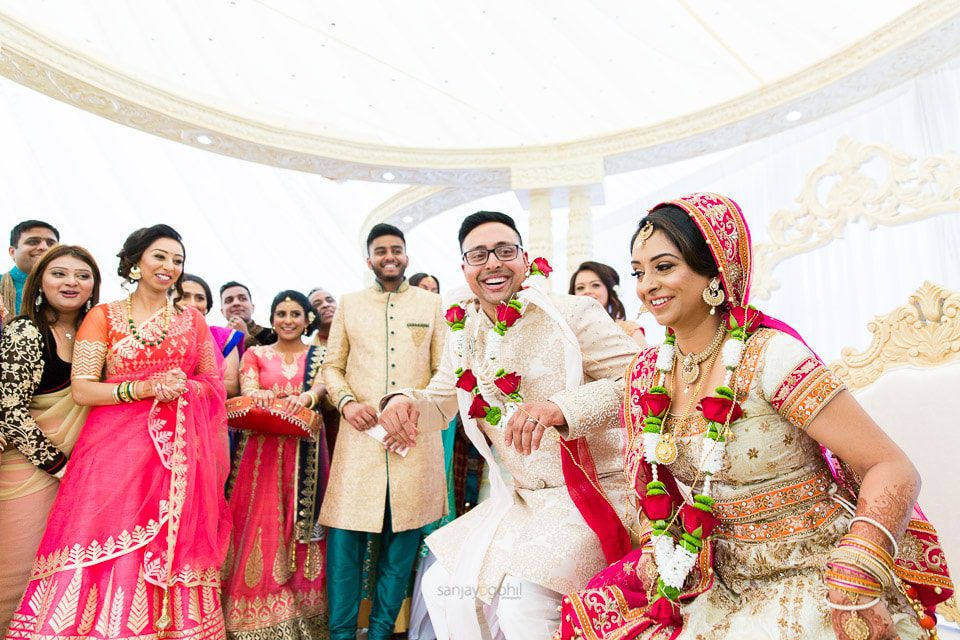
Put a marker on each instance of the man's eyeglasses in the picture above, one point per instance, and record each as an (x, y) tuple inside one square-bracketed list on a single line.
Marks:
[(504, 253)]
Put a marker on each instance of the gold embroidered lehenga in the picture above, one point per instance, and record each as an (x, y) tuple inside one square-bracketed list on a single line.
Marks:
[(760, 573), (275, 575)]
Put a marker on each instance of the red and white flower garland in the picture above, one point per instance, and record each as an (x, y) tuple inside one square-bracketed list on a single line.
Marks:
[(485, 406), (675, 556)]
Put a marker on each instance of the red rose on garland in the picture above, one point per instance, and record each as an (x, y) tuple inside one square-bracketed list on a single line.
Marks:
[(655, 404), (466, 380), (747, 318), (455, 316), (478, 408), (716, 409), (508, 383), (694, 519), (507, 314), (540, 267), (657, 507)]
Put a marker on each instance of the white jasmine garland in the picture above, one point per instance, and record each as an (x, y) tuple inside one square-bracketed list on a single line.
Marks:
[(665, 355), (678, 570), (713, 455), (674, 562), (732, 353), (459, 343), (492, 350), (650, 442), (663, 550)]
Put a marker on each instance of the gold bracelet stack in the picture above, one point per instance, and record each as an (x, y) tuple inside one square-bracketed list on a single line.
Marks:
[(126, 392), (314, 399)]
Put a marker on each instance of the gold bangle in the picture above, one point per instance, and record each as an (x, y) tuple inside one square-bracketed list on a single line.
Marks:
[(116, 394)]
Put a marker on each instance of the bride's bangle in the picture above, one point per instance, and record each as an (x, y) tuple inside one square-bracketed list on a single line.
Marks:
[(883, 530), (851, 607)]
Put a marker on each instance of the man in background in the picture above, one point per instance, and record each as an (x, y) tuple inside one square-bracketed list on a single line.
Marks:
[(236, 305), (29, 240)]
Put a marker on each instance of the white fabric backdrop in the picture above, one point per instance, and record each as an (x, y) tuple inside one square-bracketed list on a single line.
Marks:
[(829, 294)]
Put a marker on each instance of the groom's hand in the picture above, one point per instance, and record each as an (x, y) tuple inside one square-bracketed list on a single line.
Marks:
[(399, 419), (525, 429)]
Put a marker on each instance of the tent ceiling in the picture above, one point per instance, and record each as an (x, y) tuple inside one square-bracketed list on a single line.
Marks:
[(474, 75)]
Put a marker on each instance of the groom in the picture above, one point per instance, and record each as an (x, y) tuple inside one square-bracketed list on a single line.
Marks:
[(541, 380)]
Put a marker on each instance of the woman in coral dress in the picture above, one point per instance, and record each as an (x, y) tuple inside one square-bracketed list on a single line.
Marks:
[(274, 580), (139, 529)]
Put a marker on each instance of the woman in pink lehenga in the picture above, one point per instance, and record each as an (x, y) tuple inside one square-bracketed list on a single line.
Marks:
[(275, 579), (138, 532)]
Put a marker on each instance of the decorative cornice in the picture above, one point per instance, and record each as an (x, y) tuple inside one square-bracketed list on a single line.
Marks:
[(910, 44), (907, 191), (923, 333)]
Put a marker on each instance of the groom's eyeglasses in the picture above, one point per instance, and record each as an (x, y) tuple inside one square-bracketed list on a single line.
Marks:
[(504, 253)]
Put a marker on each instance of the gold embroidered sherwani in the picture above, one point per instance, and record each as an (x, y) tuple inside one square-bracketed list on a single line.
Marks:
[(381, 342), (543, 537)]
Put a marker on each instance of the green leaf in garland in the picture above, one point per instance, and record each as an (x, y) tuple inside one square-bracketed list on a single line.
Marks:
[(725, 392), (493, 415)]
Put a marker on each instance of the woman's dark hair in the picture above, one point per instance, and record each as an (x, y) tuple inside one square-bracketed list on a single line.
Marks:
[(189, 277), (299, 298), (685, 235), (417, 278), (45, 315), (610, 278), (138, 242)]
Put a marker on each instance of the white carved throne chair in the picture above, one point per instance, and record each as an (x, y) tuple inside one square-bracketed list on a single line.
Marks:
[(908, 380)]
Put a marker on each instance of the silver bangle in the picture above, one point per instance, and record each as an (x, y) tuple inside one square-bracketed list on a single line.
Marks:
[(852, 607), (883, 530)]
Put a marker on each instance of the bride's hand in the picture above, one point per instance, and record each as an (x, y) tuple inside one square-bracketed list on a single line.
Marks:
[(875, 621)]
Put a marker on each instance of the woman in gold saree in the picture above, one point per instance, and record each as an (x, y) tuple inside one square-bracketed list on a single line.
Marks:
[(38, 418)]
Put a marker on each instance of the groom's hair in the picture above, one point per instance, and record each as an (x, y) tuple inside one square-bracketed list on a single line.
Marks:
[(474, 220)]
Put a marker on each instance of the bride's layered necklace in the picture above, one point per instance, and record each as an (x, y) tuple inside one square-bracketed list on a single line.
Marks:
[(677, 548)]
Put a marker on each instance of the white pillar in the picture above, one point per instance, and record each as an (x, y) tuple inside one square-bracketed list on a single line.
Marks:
[(579, 229), (540, 243)]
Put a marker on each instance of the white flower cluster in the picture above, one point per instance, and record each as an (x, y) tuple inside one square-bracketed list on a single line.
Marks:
[(650, 442), (665, 355), (712, 456), (673, 561), (732, 353)]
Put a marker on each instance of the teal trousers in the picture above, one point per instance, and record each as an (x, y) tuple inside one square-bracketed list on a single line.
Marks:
[(398, 552)]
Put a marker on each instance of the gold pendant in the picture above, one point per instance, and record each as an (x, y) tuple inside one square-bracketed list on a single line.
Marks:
[(689, 371), (856, 627), (666, 449)]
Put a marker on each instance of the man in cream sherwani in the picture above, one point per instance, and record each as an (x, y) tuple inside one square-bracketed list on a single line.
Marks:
[(503, 567)]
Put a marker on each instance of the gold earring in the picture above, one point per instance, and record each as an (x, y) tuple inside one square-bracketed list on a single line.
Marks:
[(713, 295), (135, 272)]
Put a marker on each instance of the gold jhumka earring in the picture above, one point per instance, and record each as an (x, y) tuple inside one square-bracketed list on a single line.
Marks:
[(713, 295)]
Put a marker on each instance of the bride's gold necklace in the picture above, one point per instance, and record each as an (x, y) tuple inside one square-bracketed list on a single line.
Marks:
[(667, 449), (690, 363)]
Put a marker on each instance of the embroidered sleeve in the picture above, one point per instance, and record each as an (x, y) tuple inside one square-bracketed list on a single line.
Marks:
[(90, 350), (21, 357), (795, 383), (250, 371), (335, 360), (438, 339), (607, 352)]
